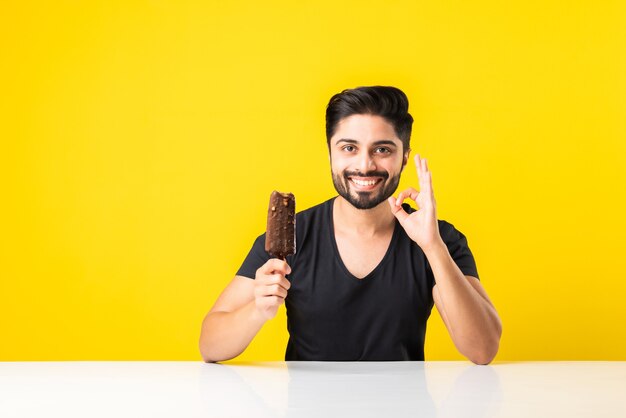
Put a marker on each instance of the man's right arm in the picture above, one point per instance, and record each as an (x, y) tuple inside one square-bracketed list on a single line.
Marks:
[(241, 311)]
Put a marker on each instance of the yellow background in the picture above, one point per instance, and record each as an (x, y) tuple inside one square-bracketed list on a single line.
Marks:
[(141, 141)]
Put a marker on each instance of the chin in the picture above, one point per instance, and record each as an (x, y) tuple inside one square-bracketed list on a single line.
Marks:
[(370, 202)]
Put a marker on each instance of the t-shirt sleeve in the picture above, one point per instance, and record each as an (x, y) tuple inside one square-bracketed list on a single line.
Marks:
[(458, 248), (255, 258)]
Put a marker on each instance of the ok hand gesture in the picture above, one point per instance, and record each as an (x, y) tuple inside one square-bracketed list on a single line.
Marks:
[(421, 226)]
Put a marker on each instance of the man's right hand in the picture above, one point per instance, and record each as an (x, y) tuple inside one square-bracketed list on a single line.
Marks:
[(270, 287)]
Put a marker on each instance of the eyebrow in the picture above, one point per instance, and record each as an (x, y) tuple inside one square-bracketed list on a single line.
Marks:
[(354, 141)]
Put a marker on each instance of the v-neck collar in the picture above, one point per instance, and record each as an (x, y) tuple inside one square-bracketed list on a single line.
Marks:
[(379, 266)]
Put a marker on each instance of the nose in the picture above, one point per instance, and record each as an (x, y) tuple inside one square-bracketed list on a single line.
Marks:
[(366, 163)]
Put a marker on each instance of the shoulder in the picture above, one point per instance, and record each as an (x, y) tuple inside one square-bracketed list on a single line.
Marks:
[(318, 211), (448, 230)]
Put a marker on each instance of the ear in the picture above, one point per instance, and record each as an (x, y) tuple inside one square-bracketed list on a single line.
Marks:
[(405, 158)]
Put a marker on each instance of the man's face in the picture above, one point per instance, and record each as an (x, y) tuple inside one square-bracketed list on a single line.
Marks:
[(366, 160)]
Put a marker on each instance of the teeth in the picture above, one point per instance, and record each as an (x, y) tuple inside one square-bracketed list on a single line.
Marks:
[(364, 183)]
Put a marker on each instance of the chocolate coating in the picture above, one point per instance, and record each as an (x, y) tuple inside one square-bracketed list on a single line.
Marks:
[(280, 236)]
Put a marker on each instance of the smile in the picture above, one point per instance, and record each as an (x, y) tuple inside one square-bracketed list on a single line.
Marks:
[(365, 183)]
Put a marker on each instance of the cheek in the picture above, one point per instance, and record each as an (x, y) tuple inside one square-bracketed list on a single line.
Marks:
[(394, 167), (336, 165)]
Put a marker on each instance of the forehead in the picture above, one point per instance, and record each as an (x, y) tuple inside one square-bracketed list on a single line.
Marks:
[(365, 129)]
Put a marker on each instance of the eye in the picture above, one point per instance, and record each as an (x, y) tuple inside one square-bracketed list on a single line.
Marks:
[(382, 150), (349, 148)]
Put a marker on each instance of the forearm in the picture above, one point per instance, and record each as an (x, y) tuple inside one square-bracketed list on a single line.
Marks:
[(225, 335), (473, 323)]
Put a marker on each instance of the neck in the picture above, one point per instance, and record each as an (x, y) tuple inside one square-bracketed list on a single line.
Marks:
[(375, 221)]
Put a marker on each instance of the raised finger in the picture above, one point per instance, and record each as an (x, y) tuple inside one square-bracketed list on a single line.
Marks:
[(428, 179), (425, 178), (418, 165)]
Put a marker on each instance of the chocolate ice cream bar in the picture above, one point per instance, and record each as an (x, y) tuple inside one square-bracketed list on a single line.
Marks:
[(280, 237)]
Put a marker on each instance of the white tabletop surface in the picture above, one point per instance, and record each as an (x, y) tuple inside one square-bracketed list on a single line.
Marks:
[(313, 389)]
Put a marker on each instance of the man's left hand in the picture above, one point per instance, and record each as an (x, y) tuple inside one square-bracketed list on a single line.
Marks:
[(421, 226)]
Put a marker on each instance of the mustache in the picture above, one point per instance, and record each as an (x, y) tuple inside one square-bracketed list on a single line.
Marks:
[(382, 174)]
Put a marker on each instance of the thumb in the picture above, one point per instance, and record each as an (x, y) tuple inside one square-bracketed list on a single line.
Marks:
[(397, 211)]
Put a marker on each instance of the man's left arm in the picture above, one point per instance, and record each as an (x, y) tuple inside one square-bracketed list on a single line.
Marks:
[(469, 315), (467, 312)]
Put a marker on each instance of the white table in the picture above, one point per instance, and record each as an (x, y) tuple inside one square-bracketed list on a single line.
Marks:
[(313, 389)]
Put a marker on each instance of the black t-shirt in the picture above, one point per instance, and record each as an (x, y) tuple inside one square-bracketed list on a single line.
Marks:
[(334, 316)]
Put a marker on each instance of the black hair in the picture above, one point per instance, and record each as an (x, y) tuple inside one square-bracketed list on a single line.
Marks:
[(388, 102)]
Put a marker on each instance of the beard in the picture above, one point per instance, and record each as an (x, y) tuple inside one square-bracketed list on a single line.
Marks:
[(361, 199)]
